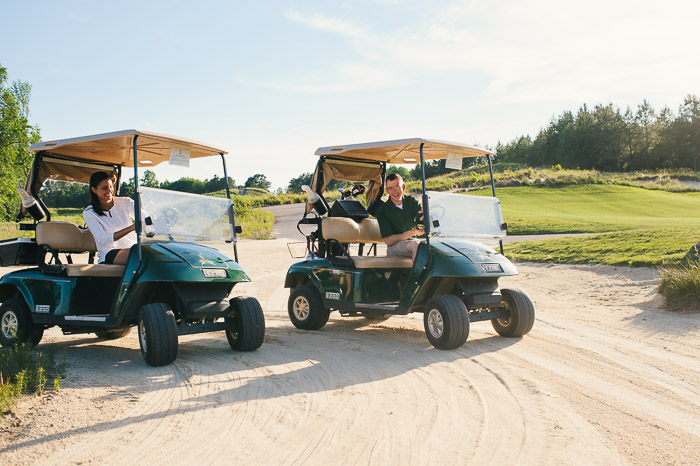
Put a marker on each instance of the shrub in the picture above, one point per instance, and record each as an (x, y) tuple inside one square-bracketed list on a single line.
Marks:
[(680, 285), (25, 371)]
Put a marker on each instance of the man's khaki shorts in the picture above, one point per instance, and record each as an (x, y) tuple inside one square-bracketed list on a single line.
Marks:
[(401, 248)]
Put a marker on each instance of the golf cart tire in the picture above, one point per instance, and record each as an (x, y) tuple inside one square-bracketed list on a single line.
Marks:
[(520, 314), (446, 322), (16, 326), (245, 324), (157, 334), (306, 309), (113, 334)]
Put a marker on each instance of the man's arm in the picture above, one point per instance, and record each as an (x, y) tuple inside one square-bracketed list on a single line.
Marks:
[(393, 239)]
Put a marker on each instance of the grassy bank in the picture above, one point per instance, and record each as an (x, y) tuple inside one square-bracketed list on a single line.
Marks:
[(680, 284), (640, 247), (26, 371), (255, 223)]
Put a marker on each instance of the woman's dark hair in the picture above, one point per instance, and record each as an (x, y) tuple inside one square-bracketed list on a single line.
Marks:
[(95, 179)]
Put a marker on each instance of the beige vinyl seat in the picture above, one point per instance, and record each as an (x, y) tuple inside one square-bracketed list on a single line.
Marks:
[(347, 230), (67, 238)]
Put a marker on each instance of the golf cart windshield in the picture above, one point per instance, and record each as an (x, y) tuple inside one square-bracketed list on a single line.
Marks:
[(466, 216), (177, 216)]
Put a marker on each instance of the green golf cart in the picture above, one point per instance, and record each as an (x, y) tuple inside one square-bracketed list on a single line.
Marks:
[(454, 279), (175, 282)]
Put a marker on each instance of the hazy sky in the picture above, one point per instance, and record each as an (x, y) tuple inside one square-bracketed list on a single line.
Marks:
[(271, 81)]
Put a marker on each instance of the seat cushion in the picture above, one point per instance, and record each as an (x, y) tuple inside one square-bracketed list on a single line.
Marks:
[(94, 270), (382, 262), (65, 237)]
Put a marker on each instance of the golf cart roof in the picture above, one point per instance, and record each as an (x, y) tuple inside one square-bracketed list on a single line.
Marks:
[(116, 148), (403, 150)]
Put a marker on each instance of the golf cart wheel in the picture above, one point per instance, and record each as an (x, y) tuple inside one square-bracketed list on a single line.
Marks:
[(520, 314), (245, 324), (113, 334), (305, 308), (16, 325), (157, 334), (446, 322)]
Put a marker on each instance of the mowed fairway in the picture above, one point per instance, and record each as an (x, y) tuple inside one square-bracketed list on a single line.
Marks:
[(596, 208), (639, 227)]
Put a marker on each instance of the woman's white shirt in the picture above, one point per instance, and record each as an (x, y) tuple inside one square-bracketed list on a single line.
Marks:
[(104, 226)]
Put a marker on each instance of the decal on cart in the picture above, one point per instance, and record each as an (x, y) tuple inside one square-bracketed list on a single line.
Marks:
[(334, 296), (42, 309)]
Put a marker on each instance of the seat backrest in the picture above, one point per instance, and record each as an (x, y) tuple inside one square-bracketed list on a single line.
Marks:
[(347, 230), (65, 237)]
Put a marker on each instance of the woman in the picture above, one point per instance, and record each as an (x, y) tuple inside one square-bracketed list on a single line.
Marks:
[(109, 219)]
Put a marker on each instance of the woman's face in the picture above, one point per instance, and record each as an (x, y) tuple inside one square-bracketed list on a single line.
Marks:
[(105, 192)]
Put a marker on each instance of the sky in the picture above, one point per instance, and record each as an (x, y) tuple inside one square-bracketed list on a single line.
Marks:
[(271, 81)]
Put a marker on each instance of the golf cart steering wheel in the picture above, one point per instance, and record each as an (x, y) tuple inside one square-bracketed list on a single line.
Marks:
[(171, 216), (437, 212)]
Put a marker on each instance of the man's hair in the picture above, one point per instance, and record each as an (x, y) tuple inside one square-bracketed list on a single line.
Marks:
[(394, 176)]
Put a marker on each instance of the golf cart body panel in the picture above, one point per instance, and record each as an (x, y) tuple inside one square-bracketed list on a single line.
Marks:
[(174, 281), (454, 278)]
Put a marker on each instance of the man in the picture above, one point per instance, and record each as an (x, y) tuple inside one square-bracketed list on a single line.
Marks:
[(397, 218)]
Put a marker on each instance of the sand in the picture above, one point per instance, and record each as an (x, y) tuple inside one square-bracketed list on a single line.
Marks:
[(606, 376)]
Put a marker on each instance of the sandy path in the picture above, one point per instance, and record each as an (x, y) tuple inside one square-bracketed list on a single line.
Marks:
[(605, 377)]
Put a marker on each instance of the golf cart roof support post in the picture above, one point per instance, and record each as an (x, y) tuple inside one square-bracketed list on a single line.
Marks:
[(319, 183), (232, 216), (426, 208), (493, 191), (30, 189), (493, 181), (137, 203)]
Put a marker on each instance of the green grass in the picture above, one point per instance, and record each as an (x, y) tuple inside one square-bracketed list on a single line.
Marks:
[(642, 247), (680, 284), (25, 371), (637, 227), (255, 223), (595, 209)]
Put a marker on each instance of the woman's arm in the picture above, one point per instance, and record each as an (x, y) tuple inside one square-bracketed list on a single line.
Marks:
[(123, 232)]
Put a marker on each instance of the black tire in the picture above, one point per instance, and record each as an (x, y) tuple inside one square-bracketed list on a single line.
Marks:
[(113, 334), (16, 326), (245, 324), (157, 334), (306, 309), (520, 314), (446, 322)]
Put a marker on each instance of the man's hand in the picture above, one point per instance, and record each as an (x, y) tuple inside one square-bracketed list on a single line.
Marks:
[(393, 239)]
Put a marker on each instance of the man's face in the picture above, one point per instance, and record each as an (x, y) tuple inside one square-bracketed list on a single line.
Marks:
[(395, 188)]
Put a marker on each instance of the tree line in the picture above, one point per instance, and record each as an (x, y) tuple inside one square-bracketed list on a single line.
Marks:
[(605, 138)]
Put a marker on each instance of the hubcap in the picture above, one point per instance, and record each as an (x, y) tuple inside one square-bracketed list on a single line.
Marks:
[(9, 325), (301, 308), (142, 337), (505, 321), (435, 323)]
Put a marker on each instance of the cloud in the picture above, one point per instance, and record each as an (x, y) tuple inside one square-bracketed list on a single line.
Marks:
[(326, 23), (526, 51)]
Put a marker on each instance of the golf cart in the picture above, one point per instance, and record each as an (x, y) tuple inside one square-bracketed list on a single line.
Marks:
[(174, 283), (454, 279)]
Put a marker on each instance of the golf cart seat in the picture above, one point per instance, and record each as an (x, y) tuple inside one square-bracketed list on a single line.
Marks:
[(347, 230), (63, 237)]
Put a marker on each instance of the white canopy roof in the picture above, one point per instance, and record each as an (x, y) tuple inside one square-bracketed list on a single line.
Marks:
[(403, 150), (116, 148)]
